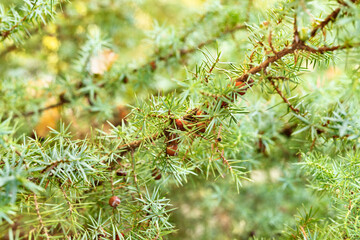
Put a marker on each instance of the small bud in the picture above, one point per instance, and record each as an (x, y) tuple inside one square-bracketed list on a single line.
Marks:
[(264, 24)]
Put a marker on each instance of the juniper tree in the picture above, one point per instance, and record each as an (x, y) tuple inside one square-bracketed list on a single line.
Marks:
[(238, 120)]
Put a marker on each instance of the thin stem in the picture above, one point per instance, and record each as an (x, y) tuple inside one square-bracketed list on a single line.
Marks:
[(294, 109), (135, 177), (45, 230)]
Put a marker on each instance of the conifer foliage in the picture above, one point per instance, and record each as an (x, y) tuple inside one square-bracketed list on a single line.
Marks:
[(117, 117)]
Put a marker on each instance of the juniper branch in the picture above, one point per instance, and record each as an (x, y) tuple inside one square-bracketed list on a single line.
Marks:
[(296, 45), (165, 58)]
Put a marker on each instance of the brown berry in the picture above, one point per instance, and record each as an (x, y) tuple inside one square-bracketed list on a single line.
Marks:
[(201, 127), (114, 201), (124, 79), (264, 24), (156, 174), (171, 150), (180, 124), (153, 65), (224, 104), (121, 173), (118, 238), (241, 86)]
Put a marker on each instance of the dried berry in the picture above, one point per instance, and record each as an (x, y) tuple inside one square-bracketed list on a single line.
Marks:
[(156, 174), (224, 104), (118, 237), (180, 124), (153, 65), (201, 127), (124, 79), (171, 150), (114, 201), (121, 173)]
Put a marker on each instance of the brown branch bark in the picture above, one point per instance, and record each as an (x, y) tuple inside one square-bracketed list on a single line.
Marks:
[(53, 165), (202, 44), (135, 144), (330, 18), (27, 114), (321, 25), (294, 109)]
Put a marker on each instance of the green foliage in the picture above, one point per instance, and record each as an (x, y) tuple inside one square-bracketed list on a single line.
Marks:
[(208, 120)]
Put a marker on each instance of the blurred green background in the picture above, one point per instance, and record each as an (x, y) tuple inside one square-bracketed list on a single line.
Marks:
[(138, 31)]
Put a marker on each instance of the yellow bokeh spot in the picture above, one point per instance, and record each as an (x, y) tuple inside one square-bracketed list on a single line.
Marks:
[(51, 28), (80, 7), (264, 4), (143, 20), (53, 59), (80, 30), (194, 3), (51, 43)]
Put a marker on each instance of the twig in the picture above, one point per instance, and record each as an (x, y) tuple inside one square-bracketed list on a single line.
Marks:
[(329, 18), (53, 165), (67, 199), (303, 232), (45, 230), (135, 177), (7, 50), (294, 109), (135, 144), (112, 184), (212, 68), (313, 144), (327, 49), (42, 109), (270, 43), (202, 44), (296, 31), (224, 159)]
